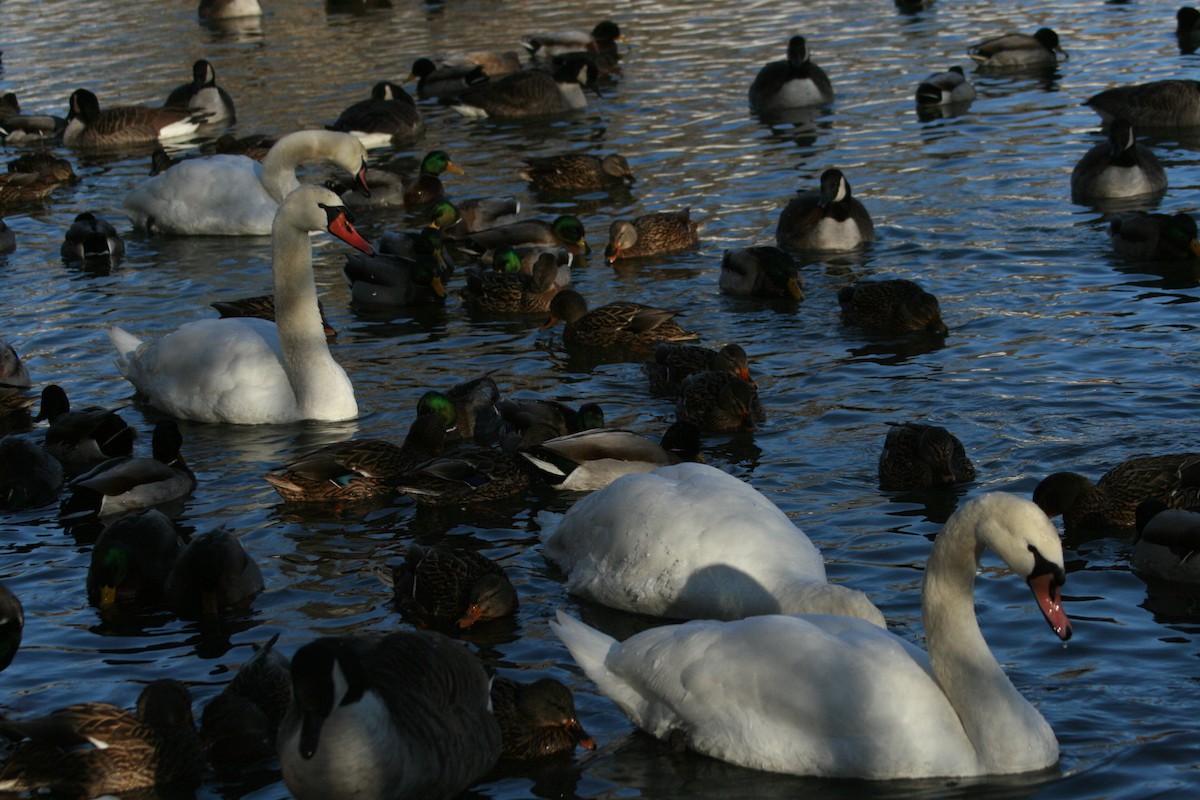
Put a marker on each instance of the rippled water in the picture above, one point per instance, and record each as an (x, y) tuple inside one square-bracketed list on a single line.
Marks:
[(1060, 355)]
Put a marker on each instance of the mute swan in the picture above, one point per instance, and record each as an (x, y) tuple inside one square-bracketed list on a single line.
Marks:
[(836, 697), (231, 195), (690, 541), (250, 371)]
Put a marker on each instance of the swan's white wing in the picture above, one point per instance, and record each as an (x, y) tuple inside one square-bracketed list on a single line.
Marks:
[(220, 195)]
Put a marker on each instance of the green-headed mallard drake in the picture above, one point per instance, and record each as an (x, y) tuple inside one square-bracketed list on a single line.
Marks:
[(1145, 236), (468, 410), (1018, 50), (1187, 29), (1117, 168), (536, 719), (124, 126), (388, 117), (451, 587), (127, 483), (483, 213), (238, 727), (765, 271), (29, 474), (131, 560), (795, 82), (19, 128), (202, 94), (578, 172), (402, 716), (213, 572), (82, 437), (1165, 545), (891, 306), (564, 231), (828, 219), (620, 324), (592, 459), (949, 88), (532, 92), (444, 81), (673, 363), (470, 474), (1110, 503), (531, 420), (92, 240), (507, 289), (603, 38), (719, 401), (652, 235), (263, 307), (357, 469), (12, 623), (920, 456), (426, 188), (380, 280), (91, 749), (441, 216)]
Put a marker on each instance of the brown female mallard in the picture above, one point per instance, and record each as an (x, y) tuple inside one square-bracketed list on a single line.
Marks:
[(578, 172), (919, 456), (1111, 503), (357, 469), (719, 401), (536, 719), (470, 474), (263, 307), (33, 176), (91, 749), (239, 725), (451, 587), (891, 306), (764, 271), (621, 324), (652, 235), (673, 363), (507, 289)]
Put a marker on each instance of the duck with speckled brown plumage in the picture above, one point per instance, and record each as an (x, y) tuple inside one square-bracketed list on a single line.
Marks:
[(620, 324)]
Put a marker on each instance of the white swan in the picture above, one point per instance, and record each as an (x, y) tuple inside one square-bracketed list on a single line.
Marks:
[(229, 195), (834, 696), (250, 371), (690, 541)]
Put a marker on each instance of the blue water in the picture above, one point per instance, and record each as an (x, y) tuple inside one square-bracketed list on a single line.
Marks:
[(1060, 354)]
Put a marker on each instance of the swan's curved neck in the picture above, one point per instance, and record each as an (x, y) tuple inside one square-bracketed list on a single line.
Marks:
[(317, 380), (279, 165), (1009, 735)]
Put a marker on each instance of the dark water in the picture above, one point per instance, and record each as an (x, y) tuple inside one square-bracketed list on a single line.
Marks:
[(1060, 355)]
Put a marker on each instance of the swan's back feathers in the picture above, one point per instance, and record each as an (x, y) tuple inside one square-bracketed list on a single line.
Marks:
[(196, 195)]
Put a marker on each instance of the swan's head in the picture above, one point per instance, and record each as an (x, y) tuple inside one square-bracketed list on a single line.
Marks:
[(1021, 534), (316, 208)]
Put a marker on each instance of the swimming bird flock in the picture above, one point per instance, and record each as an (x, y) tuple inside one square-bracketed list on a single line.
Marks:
[(767, 663)]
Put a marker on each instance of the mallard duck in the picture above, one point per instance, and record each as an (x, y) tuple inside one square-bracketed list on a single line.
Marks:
[(19, 128), (82, 437), (451, 587), (238, 727), (673, 363), (578, 172), (402, 716), (507, 289), (1145, 236), (827, 219), (564, 231), (891, 306), (92, 240), (444, 81), (764, 271), (13, 374), (124, 126), (1110, 503), (253, 145), (481, 213), (229, 9), (47, 167), (8, 239), (12, 623), (532, 420), (262, 306), (536, 719), (29, 474), (602, 39), (388, 117), (719, 401), (1018, 51), (1117, 168), (91, 749), (1187, 29), (213, 572), (793, 83), (652, 235), (380, 279), (441, 216), (592, 459), (531, 92), (31, 177), (470, 474), (621, 324), (203, 95), (359, 468), (920, 456), (131, 560), (467, 410), (126, 483), (426, 188), (949, 88)]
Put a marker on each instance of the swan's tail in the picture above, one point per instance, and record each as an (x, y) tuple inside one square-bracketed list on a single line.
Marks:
[(589, 647), (126, 344)]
